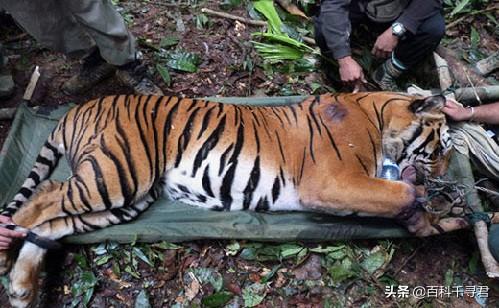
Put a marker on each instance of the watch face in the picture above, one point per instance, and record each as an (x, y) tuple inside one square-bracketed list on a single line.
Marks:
[(397, 29)]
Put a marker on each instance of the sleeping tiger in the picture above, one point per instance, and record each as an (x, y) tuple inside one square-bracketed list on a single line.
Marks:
[(323, 154)]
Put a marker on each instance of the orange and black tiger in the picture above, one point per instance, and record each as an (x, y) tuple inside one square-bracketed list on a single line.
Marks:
[(323, 154)]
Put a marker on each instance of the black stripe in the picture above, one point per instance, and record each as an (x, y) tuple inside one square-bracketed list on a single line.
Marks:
[(277, 116), (26, 192), (252, 184), (375, 153), (83, 198), (143, 139), (206, 120), (276, 189), (167, 128), (206, 182), (35, 177), (124, 145), (223, 157), (262, 205), (331, 140), (302, 167), (210, 143), (312, 114), (71, 198), (311, 142), (281, 150), (362, 163), (100, 181), (292, 108), (184, 138), (126, 190), (225, 190)]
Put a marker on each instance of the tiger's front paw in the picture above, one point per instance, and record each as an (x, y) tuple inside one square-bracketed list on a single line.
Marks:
[(416, 220), (22, 288)]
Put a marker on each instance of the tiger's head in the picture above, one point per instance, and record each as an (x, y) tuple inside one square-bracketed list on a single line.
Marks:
[(417, 135)]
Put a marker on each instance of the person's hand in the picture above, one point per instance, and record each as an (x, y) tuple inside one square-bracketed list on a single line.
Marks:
[(456, 112), (351, 72), (385, 44), (6, 235)]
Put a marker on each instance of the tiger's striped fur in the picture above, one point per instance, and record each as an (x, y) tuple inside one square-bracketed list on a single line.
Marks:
[(319, 155)]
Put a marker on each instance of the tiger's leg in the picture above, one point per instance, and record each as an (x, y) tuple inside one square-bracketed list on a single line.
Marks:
[(370, 197), (24, 275), (96, 186), (44, 165)]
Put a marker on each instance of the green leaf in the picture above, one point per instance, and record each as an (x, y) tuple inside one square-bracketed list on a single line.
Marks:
[(248, 254), (217, 299), (81, 261), (271, 274), (184, 61), (165, 75), (341, 271), (373, 262), (103, 259), (289, 250), (168, 41), (474, 37), (132, 272), (277, 52), (232, 249), (140, 254), (201, 21), (328, 249), (266, 7), (253, 295), (459, 7)]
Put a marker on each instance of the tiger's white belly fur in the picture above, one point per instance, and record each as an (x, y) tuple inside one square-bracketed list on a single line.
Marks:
[(181, 185)]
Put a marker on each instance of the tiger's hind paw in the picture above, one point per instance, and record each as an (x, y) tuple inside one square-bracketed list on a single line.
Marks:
[(22, 289)]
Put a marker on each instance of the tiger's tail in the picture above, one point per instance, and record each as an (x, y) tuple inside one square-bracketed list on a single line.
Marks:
[(45, 164)]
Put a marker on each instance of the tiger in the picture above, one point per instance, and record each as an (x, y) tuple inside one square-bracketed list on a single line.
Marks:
[(323, 154)]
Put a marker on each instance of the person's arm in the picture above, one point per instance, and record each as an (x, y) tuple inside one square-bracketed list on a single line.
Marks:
[(7, 235), (336, 28), (488, 114), (416, 12)]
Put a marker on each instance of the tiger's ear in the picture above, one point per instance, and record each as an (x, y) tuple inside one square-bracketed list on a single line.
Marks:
[(430, 103)]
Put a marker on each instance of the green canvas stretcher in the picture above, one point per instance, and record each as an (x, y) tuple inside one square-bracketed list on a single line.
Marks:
[(175, 221)]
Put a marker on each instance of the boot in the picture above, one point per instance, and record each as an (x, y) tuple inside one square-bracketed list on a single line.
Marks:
[(385, 76), (94, 69), (134, 75)]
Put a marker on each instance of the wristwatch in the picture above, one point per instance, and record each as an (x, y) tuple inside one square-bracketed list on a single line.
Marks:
[(398, 30)]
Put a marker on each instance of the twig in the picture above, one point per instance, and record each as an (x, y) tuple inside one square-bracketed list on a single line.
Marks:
[(248, 21), (406, 260)]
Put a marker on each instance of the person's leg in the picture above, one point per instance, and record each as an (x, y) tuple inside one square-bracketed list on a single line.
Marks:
[(115, 43), (6, 81), (410, 51), (414, 48)]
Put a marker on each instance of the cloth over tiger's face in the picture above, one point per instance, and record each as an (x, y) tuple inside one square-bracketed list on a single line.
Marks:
[(323, 154)]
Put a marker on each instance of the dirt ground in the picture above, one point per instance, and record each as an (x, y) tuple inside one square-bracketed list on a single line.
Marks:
[(218, 273)]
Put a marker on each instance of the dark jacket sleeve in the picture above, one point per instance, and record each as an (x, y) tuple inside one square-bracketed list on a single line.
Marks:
[(335, 26), (417, 11)]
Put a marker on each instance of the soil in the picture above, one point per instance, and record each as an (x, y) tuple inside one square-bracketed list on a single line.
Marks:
[(225, 50)]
